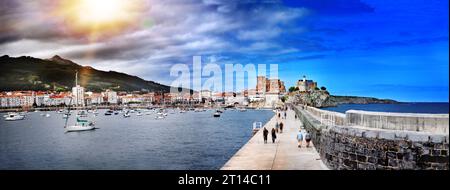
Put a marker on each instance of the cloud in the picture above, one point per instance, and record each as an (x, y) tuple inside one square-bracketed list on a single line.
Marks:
[(333, 7)]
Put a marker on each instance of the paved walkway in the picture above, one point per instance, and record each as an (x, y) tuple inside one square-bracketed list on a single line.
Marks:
[(281, 155)]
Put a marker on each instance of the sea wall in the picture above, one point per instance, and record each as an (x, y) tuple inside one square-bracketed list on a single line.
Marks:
[(351, 147), (434, 123)]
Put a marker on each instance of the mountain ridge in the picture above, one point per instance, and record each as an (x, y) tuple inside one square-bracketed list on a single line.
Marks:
[(57, 73)]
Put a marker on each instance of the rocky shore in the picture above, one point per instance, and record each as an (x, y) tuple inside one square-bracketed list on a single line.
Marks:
[(322, 99)]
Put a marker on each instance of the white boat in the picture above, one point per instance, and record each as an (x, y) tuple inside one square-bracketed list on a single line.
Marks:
[(14, 117), (82, 113), (60, 111), (81, 125), (148, 113), (182, 111), (159, 117), (139, 114), (47, 115), (7, 114), (217, 114), (65, 116), (126, 114)]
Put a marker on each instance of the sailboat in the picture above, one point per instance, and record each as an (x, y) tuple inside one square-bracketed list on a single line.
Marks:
[(80, 124)]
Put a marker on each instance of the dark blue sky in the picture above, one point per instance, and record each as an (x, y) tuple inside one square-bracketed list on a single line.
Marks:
[(389, 49), (394, 49)]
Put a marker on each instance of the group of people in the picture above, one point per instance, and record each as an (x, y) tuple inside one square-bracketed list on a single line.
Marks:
[(301, 135)]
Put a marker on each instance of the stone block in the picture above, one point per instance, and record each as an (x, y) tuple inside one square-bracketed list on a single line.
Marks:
[(417, 137), (372, 160), (437, 138), (361, 158), (388, 135)]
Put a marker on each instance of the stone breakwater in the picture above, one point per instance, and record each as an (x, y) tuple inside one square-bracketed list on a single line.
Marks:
[(375, 140)]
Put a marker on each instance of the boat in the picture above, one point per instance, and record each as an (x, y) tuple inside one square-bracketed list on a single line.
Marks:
[(82, 113), (65, 116), (126, 114), (7, 114), (14, 117), (159, 117), (182, 111), (139, 114), (47, 115), (61, 111), (216, 114), (81, 125), (109, 112)]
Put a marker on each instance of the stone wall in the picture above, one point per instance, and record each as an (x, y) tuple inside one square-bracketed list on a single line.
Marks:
[(435, 123), (356, 147)]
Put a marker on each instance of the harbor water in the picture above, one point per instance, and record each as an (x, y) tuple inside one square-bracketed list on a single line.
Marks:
[(181, 141)]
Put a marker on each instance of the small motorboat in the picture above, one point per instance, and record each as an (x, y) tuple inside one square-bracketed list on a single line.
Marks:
[(47, 115), (14, 117), (81, 125), (127, 114), (109, 112), (139, 114), (217, 114)]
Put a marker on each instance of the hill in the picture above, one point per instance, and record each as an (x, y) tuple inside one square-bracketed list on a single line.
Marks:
[(56, 73)]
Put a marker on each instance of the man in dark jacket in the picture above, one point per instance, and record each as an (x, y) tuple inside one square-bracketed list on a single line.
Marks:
[(265, 134), (274, 135)]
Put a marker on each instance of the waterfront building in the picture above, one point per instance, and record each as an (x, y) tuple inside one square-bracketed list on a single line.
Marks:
[(78, 93), (261, 84), (111, 97), (94, 98), (306, 85)]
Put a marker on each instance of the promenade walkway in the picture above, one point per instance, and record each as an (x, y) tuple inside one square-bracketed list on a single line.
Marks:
[(281, 155)]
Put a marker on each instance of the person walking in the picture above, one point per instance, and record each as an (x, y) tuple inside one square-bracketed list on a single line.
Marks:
[(274, 135), (307, 138), (299, 138), (281, 127), (295, 116), (285, 115), (265, 134), (276, 127)]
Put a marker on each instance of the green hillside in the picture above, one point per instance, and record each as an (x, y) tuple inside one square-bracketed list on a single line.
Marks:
[(28, 73)]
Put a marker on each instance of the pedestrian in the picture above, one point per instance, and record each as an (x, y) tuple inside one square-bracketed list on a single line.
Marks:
[(274, 135), (276, 127), (279, 115), (281, 127), (299, 138), (265, 134), (307, 138), (295, 116), (285, 115)]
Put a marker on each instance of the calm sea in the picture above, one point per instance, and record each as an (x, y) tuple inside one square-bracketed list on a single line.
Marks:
[(401, 108), (188, 141)]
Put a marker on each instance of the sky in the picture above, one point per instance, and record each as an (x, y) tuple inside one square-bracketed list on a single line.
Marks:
[(385, 49)]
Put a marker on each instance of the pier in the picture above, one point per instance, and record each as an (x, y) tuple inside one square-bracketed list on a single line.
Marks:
[(281, 155)]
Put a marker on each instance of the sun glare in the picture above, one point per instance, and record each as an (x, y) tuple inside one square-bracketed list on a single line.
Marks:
[(97, 18)]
